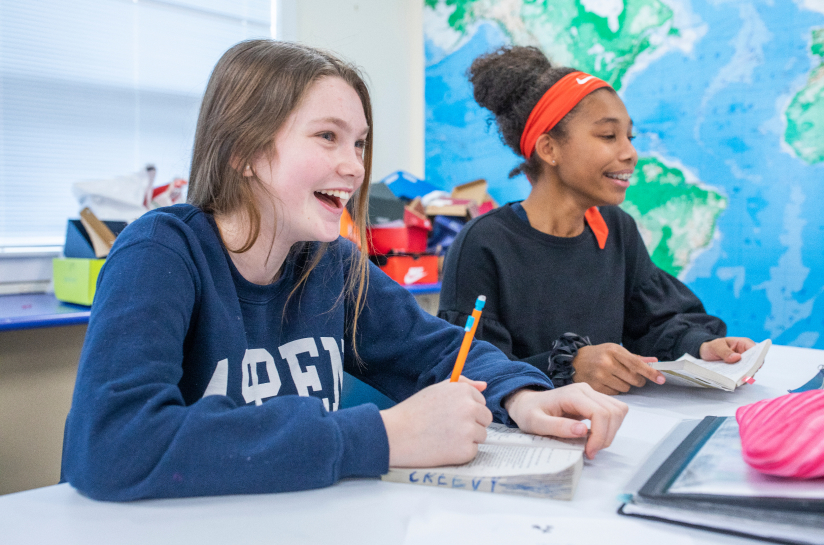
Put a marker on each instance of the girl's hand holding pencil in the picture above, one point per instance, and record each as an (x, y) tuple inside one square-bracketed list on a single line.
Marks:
[(440, 425), (444, 423)]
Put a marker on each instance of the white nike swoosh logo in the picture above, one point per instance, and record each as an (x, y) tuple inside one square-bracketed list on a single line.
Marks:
[(413, 274), (583, 81)]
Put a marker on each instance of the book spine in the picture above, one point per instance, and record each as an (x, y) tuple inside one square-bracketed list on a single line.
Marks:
[(560, 486), (428, 477)]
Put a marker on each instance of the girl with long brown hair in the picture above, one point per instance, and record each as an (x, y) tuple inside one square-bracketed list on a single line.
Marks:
[(215, 353)]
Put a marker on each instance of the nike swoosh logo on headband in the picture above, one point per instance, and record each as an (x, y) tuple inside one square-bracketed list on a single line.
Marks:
[(583, 81)]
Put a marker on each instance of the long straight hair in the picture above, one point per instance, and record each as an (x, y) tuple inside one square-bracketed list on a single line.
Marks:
[(254, 88)]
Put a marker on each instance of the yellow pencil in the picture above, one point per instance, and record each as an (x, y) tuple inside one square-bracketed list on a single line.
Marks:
[(471, 326)]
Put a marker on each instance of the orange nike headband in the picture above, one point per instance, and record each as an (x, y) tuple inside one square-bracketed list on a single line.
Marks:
[(555, 104)]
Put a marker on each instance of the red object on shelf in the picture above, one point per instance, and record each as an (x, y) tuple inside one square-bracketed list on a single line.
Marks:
[(486, 207), (408, 269), (399, 239), (412, 218)]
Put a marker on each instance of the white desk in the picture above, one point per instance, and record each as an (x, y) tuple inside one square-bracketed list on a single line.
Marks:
[(367, 511)]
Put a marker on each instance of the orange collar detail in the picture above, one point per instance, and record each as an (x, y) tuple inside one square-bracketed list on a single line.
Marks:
[(598, 225)]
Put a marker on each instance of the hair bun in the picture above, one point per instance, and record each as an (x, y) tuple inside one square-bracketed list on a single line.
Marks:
[(504, 76)]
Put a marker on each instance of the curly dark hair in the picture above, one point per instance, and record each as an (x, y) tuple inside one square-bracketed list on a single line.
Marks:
[(509, 82)]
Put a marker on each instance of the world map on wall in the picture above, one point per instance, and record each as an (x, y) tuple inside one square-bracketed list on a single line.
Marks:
[(727, 101)]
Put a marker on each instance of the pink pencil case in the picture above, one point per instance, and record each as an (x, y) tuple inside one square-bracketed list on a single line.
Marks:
[(784, 436)]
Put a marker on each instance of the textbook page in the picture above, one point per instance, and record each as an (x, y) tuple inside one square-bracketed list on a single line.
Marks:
[(500, 434), (735, 371), (505, 461), (679, 373)]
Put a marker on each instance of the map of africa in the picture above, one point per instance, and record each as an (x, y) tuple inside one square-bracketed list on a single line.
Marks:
[(727, 100)]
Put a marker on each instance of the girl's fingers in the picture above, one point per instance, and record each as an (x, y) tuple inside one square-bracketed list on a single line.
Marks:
[(601, 432), (637, 366), (619, 407), (479, 385), (618, 384), (480, 435), (744, 344), (559, 426), (606, 415), (483, 416), (626, 378)]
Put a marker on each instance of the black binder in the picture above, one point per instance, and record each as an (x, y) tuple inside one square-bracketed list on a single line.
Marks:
[(792, 520)]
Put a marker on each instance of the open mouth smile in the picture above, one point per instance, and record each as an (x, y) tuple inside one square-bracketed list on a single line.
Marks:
[(333, 197)]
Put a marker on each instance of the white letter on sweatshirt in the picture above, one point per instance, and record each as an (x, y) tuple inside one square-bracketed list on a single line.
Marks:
[(337, 367), (303, 380), (220, 380), (255, 391)]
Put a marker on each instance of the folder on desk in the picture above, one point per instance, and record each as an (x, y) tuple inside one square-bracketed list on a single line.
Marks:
[(698, 478)]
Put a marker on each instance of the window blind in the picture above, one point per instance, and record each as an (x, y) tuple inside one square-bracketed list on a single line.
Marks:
[(93, 89)]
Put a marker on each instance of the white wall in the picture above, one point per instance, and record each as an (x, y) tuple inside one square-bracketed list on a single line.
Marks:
[(385, 38)]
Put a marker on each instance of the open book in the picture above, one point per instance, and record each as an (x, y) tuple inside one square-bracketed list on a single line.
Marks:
[(509, 462), (690, 371)]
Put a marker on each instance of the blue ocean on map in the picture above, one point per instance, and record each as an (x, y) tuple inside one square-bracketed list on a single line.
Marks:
[(716, 111)]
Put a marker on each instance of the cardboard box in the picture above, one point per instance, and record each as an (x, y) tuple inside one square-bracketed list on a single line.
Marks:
[(466, 201), (408, 269), (75, 279), (461, 208), (474, 191)]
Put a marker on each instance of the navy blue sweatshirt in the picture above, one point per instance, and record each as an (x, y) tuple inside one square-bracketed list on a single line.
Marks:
[(194, 381)]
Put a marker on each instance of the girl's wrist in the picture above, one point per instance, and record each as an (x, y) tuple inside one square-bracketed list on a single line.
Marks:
[(564, 350), (511, 400)]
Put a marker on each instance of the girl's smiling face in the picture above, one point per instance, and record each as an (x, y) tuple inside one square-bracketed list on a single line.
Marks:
[(594, 162), (317, 162)]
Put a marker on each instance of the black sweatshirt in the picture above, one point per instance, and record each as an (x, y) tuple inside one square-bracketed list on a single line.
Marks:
[(540, 286)]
